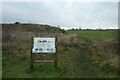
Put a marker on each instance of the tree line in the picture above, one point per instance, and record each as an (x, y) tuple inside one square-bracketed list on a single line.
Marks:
[(79, 29)]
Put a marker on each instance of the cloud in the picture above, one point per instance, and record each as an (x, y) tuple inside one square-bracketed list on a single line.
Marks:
[(59, 0), (64, 14)]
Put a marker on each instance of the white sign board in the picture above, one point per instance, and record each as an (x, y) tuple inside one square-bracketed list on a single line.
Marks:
[(44, 45)]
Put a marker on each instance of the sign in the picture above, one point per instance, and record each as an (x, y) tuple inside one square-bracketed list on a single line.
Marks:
[(44, 45)]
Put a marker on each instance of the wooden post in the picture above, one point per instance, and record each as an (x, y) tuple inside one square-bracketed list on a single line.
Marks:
[(56, 52), (32, 61)]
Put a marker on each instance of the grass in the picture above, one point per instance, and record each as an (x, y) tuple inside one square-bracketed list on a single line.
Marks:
[(21, 70), (95, 34), (73, 61)]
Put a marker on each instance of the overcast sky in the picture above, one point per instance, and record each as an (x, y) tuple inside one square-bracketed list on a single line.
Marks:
[(65, 14)]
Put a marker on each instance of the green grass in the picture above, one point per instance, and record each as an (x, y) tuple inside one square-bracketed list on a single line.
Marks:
[(95, 34), (73, 62), (22, 70)]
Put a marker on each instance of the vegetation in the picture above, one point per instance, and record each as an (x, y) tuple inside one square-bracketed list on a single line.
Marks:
[(96, 34), (81, 54)]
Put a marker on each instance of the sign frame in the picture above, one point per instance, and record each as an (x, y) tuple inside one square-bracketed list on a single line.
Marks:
[(32, 54), (43, 45)]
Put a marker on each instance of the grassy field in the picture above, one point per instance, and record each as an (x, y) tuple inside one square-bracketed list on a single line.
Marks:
[(95, 34), (94, 56), (74, 63)]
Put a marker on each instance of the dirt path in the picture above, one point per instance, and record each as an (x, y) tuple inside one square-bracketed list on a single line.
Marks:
[(77, 65), (84, 66)]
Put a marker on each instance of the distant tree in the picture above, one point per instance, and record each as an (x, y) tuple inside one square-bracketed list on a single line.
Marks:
[(69, 29), (99, 29), (76, 29), (79, 28), (73, 29), (63, 30), (87, 29), (17, 22)]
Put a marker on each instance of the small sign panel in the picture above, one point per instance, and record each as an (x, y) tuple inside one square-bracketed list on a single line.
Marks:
[(44, 45)]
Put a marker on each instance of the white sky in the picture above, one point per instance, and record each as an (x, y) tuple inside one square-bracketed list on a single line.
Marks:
[(66, 14)]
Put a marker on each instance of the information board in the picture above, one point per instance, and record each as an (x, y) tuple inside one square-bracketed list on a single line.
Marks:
[(44, 45)]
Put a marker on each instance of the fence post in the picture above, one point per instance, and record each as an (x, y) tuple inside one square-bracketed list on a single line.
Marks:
[(56, 56), (31, 66)]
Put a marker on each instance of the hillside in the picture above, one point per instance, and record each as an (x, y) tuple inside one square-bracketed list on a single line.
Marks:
[(32, 27), (16, 31)]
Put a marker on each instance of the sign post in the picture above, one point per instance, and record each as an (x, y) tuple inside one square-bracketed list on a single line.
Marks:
[(41, 46), (31, 66), (56, 54)]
